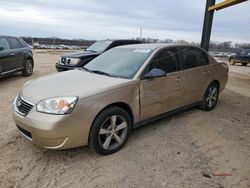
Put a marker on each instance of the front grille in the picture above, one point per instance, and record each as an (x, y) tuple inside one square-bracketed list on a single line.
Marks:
[(26, 133), (63, 61), (22, 106), (67, 61)]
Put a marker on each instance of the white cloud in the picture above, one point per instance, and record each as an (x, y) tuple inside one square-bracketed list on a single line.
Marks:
[(27, 14), (96, 19)]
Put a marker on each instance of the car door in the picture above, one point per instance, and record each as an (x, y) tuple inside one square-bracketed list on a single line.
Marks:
[(18, 52), (162, 94), (197, 72), (5, 56)]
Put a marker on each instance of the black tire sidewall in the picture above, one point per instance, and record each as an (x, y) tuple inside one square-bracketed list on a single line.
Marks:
[(94, 132), (24, 72), (204, 103)]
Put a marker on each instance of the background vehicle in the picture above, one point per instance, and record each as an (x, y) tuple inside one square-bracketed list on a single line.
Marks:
[(15, 56), (242, 57), (79, 59), (123, 88)]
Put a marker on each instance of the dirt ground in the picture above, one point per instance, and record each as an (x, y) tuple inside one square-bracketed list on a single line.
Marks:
[(189, 149)]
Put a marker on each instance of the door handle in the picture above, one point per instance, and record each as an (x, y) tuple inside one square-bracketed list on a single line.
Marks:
[(12, 54)]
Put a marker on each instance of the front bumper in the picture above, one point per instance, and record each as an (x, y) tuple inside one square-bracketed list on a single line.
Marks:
[(52, 131), (61, 68)]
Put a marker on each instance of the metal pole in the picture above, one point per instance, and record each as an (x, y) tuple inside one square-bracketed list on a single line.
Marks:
[(207, 25)]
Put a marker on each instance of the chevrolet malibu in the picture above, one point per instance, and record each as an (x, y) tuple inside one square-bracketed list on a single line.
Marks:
[(119, 90)]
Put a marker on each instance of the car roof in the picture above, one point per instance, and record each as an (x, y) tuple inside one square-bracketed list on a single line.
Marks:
[(153, 46), (8, 36), (120, 40)]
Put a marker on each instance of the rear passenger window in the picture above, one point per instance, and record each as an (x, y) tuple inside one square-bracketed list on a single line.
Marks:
[(166, 60), (4, 45), (14, 43), (193, 57)]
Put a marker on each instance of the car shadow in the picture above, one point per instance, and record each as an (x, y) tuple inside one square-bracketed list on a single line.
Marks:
[(10, 77)]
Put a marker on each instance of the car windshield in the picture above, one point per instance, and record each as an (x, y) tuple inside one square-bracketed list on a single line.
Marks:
[(119, 62), (99, 46)]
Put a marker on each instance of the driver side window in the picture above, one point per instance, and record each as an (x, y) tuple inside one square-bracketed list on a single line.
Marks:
[(4, 45), (166, 60)]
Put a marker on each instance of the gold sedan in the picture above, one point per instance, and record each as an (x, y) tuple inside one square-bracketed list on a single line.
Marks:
[(124, 87)]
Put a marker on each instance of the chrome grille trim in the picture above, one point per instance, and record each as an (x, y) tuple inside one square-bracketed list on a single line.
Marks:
[(22, 106)]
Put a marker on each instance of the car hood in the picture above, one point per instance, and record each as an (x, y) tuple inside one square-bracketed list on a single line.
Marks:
[(80, 54), (70, 83)]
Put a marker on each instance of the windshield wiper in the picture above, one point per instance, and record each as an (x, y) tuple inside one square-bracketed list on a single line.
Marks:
[(98, 72), (102, 73), (86, 69), (91, 51)]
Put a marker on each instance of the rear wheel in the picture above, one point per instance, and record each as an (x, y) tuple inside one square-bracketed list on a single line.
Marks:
[(231, 62), (210, 98), (244, 64), (110, 131), (28, 68)]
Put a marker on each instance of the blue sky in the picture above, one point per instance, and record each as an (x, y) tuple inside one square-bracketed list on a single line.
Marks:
[(102, 19)]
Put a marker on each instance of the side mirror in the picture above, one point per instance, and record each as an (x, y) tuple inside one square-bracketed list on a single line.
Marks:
[(155, 72), (1, 49)]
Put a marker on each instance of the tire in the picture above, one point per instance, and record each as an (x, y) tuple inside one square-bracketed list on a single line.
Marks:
[(28, 68), (105, 138), (244, 64), (231, 62), (211, 97)]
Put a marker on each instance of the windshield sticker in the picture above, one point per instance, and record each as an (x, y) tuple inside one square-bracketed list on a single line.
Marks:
[(142, 51)]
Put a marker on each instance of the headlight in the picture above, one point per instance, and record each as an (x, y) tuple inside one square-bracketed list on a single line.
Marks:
[(73, 61), (57, 105)]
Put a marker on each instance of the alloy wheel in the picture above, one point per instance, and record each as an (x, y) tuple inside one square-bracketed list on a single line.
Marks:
[(212, 96), (29, 67), (113, 132)]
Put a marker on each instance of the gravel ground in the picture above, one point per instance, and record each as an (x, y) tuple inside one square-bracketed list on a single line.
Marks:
[(189, 149), (240, 69)]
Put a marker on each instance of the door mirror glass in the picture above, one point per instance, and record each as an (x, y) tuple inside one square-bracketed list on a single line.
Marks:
[(155, 72), (1, 48)]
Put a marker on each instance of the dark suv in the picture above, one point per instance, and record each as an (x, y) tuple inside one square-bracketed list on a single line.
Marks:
[(79, 59), (242, 57), (15, 56)]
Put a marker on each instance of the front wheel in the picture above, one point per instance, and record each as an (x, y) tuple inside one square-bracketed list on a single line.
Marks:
[(210, 98), (28, 68), (244, 64), (110, 131)]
